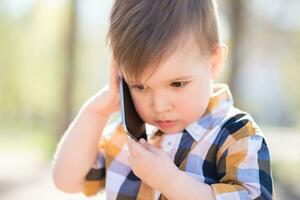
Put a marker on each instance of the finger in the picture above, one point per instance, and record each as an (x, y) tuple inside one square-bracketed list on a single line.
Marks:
[(131, 159), (149, 147), (131, 152), (130, 156), (135, 149)]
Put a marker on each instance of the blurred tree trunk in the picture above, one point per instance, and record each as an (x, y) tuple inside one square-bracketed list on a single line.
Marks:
[(69, 70), (236, 13)]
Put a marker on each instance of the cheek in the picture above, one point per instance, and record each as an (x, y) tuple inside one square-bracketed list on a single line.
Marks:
[(141, 105), (195, 102)]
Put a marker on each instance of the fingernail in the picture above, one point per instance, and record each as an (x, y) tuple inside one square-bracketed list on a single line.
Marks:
[(130, 139), (142, 141)]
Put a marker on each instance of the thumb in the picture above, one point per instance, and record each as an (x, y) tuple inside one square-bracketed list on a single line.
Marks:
[(149, 147)]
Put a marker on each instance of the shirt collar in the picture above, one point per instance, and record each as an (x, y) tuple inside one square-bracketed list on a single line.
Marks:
[(219, 104)]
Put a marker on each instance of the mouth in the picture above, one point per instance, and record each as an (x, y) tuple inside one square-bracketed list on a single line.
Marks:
[(164, 124)]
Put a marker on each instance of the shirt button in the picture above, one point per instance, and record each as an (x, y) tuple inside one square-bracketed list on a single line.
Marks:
[(168, 147)]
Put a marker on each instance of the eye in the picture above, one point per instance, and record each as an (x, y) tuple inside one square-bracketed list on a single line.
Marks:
[(138, 87), (178, 84)]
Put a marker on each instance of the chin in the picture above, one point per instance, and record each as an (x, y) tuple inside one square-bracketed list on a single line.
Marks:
[(172, 130)]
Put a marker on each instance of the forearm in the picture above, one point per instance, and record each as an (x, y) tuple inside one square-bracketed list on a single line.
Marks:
[(186, 187), (77, 151)]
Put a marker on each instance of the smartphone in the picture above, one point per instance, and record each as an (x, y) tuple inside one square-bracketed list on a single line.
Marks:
[(131, 121)]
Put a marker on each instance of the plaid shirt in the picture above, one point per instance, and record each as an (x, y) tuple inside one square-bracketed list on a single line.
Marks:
[(224, 148)]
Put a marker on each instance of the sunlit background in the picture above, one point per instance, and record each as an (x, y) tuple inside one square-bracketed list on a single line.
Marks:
[(53, 57)]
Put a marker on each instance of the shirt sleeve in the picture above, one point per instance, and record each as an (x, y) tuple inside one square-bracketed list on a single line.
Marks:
[(244, 167), (95, 179)]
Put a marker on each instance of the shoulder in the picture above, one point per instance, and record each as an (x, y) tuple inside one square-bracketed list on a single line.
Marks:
[(239, 126)]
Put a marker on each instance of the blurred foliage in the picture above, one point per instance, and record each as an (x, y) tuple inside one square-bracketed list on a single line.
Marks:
[(31, 63), (29, 137), (288, 174), (33, 58)]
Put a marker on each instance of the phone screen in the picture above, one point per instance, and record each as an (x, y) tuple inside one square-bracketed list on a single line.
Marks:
[(132, 122)]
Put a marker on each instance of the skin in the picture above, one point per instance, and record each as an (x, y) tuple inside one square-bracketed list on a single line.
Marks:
[(160, 96), (165, 95), (156, 102), (70, 165)]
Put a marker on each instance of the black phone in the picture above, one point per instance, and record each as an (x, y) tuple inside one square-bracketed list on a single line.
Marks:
[(131, 121)]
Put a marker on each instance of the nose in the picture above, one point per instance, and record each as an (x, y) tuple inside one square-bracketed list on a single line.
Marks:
[(161, 103)]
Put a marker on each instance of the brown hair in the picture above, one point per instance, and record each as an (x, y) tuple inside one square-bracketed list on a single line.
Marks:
[(143, 32)]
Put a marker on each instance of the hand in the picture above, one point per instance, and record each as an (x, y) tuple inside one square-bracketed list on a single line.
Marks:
[(107, 100), (151, 164)]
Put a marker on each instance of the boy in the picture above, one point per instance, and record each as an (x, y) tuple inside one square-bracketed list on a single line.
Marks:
[(169, 53)]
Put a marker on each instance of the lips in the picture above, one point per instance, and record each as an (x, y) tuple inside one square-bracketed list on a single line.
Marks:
[(165, 123)]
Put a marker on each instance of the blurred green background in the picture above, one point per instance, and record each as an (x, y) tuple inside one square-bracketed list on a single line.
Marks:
[(53, 57)]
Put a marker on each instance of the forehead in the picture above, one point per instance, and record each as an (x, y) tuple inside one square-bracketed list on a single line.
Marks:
[(184, 60)]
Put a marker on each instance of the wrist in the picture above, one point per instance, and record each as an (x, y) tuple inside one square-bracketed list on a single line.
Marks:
[(102, 104), (170, 181), (90, 110)]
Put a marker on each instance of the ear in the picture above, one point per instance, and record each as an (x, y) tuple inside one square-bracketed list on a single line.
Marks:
[(217, 60)]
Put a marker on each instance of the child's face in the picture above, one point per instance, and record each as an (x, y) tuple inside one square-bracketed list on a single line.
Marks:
[(178, 92)]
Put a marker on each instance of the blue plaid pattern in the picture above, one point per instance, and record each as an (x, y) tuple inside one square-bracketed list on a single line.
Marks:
[(224, 148)]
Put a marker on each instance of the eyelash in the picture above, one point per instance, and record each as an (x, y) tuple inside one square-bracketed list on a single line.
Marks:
[(173, 84), (138, 87), (183, 83)]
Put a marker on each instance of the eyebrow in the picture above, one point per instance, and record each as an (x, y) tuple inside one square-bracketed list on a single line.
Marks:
[(170, 80), (180, 78)]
